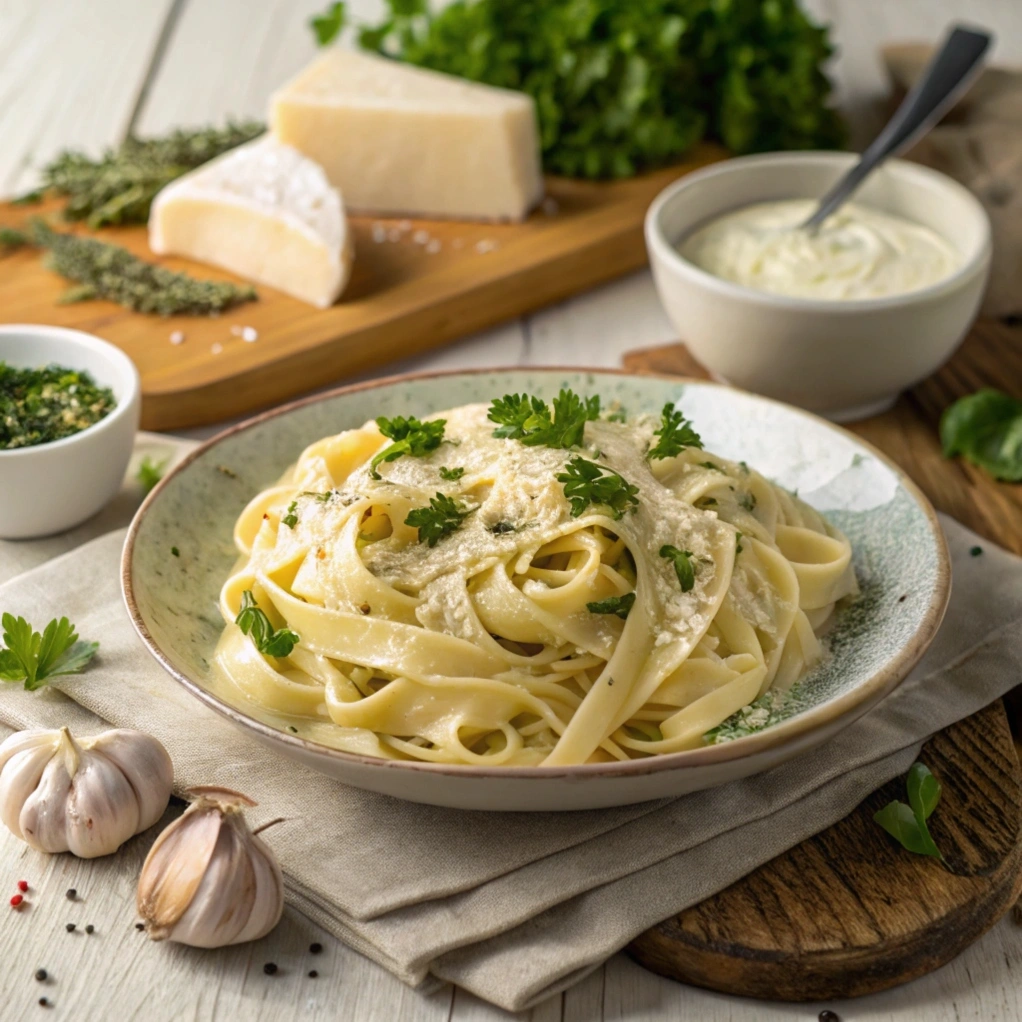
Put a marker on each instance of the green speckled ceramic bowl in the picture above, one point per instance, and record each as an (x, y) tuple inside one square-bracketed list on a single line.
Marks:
[(900, 559)]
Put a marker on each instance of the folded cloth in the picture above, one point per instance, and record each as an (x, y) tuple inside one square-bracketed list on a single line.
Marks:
[(513, 907)]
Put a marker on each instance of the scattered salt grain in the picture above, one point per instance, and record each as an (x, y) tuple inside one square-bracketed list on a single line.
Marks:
[(550, 206), (177, 337), (250, 334), (217, 348), (433, 247), (379, 233), (486, 245), (420, 237)]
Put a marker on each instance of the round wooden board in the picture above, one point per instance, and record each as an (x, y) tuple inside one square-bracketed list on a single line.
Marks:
[(849, 912)]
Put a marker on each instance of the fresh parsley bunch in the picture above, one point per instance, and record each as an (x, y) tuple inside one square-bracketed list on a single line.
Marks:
[(411, 436), (625, 85), (442, 517), (34, 658), (586, 483), (536, 424), (675, 433)]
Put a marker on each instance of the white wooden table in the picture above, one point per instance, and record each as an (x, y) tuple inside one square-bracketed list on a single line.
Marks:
[(84, 72)]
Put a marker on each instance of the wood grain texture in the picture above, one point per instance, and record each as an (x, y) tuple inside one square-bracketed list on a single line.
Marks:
[(403, 299), (848, 912)]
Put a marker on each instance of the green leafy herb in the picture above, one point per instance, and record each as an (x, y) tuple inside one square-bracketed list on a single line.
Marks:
[(411, 436), (683, 567), (451, 474), (625, 85), (747, 501), (501, 528), (252, 620), (33, 658), (150, 472), (975, 551), (290, 518), (11, 239), (907, 823), (586, 483), (174, 550), (442, 517), (120, 186), (38, 406), (711, 466), (675, 432), (535, 424), (986, 429), (111, 272), (619, 605), (328, 25), (738, 543), (32, 198)]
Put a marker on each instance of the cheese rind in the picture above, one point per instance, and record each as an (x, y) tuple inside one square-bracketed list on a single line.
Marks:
[(398, 139), (263, 211)]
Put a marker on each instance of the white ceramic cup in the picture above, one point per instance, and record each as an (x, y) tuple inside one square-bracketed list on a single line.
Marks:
[(841, 359), (52, 487)]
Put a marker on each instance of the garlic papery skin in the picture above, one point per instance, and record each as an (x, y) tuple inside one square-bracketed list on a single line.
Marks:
[(209, 881), (84, 796)]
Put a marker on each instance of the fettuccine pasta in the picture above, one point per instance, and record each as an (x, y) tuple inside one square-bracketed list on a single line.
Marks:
[(523, 620)]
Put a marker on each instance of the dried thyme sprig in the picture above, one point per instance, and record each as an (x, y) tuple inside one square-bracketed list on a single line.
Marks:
[(108, 271), (119, 187)]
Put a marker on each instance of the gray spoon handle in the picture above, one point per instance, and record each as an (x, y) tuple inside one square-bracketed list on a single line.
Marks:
[(948, 75)]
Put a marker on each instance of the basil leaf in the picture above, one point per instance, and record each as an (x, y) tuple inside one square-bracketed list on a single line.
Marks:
[(923, 791), (902, 824), (986, 429)]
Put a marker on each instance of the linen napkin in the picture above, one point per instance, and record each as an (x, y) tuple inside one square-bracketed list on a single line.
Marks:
[(514, 907)]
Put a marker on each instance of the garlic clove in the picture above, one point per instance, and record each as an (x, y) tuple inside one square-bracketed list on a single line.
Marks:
[(43, 817), (173, 870), (269, 900), (101, 809), (27, 759), (145, 763)]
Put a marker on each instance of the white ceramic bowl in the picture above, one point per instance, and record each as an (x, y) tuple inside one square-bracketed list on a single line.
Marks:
[(52, 487), (842, 359)]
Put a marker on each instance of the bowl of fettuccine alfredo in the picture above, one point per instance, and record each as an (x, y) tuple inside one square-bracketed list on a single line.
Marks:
[(537, 589)]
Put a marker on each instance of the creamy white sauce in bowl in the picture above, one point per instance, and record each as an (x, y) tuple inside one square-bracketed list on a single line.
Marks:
[(859, 253)]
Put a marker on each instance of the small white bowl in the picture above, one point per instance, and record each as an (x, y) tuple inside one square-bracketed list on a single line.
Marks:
[(51, 487), (841, 359)]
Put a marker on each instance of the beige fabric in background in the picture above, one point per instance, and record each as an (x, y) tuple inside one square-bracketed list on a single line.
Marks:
[(511, 906)]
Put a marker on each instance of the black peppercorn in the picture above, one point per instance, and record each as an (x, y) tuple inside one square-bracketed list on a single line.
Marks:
[(829, 1016), (90, 928), (139, 926), (70, 927), (43, 1002), (40, 974), (315, 949), (313, 974), (70, 894), (270, 968)]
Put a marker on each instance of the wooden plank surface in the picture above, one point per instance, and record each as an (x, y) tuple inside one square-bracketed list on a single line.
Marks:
[(405, 297)]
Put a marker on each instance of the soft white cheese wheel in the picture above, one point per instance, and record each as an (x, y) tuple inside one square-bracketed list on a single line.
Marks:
[(263, 211), (399, 139)]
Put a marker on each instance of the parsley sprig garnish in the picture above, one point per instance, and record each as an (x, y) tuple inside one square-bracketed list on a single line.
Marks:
[(683, 567), (411, 436), (150, 472), (533, 422), (252, 620), (34, 658), (907, 823), (619, 605), (675, 432), (440, 518), (452, 475), (587, 483)]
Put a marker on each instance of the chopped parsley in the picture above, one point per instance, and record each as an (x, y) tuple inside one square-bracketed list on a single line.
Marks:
[(253, 621), (33, 658), (738, 543), (150, 472), (501, 528), (619, 605), (975, 551), (587, 483), (290, 519), (174, 550), (440, 518), (747, 501), (682, 560), (710, 465), (675, 433), (38, 406), (411, 436), (452, 475), (533, 422)]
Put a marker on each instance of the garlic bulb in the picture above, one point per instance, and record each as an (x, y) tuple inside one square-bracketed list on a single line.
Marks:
[(209, 881), (85, 796)]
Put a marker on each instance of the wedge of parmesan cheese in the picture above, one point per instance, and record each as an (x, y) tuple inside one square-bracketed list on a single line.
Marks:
[(398, 139), (263, 211)]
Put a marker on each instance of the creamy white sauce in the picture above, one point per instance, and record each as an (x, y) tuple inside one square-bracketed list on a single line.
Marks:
[(859, 252)]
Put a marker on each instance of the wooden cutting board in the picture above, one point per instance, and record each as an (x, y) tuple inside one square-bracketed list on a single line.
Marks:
[(848, 912), (405, 297)]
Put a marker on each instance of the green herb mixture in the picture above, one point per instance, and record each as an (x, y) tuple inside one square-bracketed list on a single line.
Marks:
[(38, 406), (622, 86)]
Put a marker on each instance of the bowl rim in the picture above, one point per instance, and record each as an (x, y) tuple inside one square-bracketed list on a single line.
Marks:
[(861, 698), (664, 250), (78, 339)]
